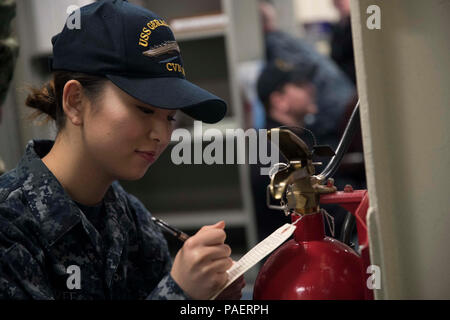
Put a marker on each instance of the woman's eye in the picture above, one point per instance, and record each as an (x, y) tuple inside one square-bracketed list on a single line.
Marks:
[(145, 110), (150, 111)]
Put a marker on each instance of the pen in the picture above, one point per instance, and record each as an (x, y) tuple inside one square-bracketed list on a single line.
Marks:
[(180, 235)]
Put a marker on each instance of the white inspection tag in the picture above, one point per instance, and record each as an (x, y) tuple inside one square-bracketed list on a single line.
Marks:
[(258, 252)]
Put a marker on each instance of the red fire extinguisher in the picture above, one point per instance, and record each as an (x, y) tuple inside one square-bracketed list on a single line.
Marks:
[(312, 265)]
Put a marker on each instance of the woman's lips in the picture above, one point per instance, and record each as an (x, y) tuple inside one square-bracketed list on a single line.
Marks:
[(149, 156)]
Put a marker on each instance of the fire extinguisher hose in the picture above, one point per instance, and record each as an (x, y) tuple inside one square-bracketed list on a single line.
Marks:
[(345, 142)]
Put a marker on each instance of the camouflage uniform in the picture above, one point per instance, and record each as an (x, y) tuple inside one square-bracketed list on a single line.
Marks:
[(43, 232)]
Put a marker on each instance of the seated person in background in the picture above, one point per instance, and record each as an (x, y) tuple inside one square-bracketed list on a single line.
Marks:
[(287, 93), (334, 89), (288, 96)]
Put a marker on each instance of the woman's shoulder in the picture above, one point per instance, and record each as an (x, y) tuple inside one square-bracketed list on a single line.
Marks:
[(11, 194), (27, 176), (16, 219), (24, 190), (8, 181)]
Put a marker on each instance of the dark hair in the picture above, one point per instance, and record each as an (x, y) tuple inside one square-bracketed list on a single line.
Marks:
[(48, 99), (280, 88)]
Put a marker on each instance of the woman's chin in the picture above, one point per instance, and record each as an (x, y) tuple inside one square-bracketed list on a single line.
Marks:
[(131, 176)]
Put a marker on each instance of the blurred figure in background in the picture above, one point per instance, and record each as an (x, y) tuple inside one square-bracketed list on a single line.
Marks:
[(333, 93), (334, 89), (287, 93), (288, 96), (341, 40)]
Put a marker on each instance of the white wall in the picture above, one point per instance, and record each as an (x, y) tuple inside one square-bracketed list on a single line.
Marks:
[(403, 72)]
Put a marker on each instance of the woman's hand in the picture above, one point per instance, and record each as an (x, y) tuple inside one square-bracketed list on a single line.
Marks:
[(200, 265)]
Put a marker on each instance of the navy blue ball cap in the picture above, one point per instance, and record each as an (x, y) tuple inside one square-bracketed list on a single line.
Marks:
[(277, 73), (137, 51)]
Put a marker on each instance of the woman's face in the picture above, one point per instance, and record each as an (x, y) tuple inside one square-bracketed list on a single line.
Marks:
[(124, 136)]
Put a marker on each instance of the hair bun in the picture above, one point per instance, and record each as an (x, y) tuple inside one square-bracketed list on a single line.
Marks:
[(43, 100)]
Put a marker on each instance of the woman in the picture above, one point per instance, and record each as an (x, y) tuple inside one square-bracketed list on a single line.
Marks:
[(67, 228)]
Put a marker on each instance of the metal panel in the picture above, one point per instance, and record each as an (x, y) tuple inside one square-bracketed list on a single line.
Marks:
[(403, 75)]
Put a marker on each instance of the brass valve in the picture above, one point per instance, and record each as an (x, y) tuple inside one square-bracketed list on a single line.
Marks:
[(296, 186)]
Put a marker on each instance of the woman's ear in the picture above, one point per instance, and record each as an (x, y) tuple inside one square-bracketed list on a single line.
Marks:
[(72, 102)]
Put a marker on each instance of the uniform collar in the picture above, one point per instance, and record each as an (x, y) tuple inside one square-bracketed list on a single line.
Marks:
[(48, 200)]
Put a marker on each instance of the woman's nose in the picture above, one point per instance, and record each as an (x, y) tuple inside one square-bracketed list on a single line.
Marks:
[(160, 131)]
